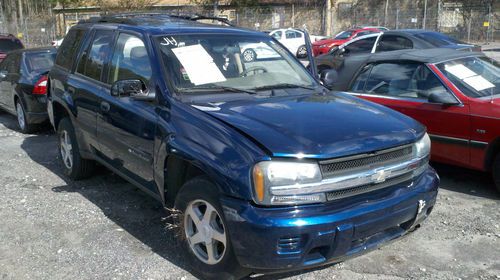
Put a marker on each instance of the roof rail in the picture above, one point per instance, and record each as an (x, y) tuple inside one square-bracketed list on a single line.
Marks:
[(124, 18)]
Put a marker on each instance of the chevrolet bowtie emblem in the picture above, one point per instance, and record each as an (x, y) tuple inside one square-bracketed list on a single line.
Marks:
[(380, 176)]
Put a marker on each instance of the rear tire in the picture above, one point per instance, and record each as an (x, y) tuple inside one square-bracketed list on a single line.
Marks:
[(22, 121), (496, 172), (75, 167), (196, 197), (249, 55), (302, 52)]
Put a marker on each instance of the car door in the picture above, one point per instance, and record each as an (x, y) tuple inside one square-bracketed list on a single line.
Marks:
[(406, 87), (9, 80), (125, 126), (293, 40), (350, 50), (86, 85), (5, 85)]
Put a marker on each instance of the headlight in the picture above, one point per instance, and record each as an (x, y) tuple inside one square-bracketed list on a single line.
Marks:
[(269, 174), (323, 46), (421, 151)]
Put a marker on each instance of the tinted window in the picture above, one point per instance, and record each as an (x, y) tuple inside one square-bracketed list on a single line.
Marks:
[(8, 64), (393, 43), (361, 46), (437, 39), (69, 47), (130, 60), (405, 80), (7, 45), (40, 62), (292, 34), (92, 62)]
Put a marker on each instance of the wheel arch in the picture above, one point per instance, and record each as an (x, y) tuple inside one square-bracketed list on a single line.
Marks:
[(491, 152)]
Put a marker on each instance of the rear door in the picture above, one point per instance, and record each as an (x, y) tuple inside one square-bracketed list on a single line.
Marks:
[(293, 40), (5, 85), (406, 87), (126, 127), (9, 82)]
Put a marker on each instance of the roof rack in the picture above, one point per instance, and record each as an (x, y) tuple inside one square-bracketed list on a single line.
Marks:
[(125, 18)]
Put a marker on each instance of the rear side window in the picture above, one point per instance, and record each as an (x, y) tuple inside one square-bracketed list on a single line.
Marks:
[(292, 34), (130, 60), (40, 62), (69, 47), (94, 59), (361, 46), (394, 43), (10, 44)]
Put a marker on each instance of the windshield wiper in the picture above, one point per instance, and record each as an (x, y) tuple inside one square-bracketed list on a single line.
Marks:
[(220, 88), (284, 85)]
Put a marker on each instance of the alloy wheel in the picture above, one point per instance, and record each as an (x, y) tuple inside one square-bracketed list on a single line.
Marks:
[(205, 232), (66, 149), (249, 55), (20, 116)]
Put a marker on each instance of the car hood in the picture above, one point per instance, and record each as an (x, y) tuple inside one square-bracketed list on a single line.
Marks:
[(316, 126)]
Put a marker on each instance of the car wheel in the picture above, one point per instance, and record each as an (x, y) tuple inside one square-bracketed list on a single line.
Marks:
[(22, 121), (302, 52), (204, 232), (74, 165), (249, 55), (496, 172)]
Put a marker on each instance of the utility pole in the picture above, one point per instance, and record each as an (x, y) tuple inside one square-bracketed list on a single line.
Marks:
[(328, 18), (386, 12), (425, 14), (216, 8)]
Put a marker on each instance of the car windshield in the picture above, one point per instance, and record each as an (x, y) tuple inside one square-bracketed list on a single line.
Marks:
[(40, 61), (475, 76), (437, 39), (7, 45), (229, 63), (344, 35)]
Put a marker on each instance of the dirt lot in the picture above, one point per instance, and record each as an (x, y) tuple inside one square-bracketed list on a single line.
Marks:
[(104, 228)]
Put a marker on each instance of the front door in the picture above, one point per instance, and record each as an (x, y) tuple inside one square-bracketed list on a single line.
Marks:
[(406, 87), (126, 127)]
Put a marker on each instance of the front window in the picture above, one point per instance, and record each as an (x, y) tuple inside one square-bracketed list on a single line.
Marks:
[(475, 76), (197, 63)]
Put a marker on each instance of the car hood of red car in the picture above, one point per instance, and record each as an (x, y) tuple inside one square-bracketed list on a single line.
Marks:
[(329, 42)]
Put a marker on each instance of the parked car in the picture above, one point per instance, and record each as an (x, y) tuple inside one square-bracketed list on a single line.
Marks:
[(23, 86), (293, 40), (324, 46), (388, 41), (8, 43), (381, 28), (268, 172), (455, 94)]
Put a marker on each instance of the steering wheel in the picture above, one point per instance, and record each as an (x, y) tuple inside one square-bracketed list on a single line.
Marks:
[(254, 70)]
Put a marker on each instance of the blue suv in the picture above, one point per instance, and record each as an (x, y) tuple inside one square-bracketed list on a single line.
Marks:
[(270, 170)]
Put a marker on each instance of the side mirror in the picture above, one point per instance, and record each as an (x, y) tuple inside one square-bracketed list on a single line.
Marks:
[(131, 88), (442, 98), (3, 74), (329, 77)]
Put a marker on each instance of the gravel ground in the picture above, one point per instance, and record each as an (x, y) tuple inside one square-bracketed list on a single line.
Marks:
[(104, 228)]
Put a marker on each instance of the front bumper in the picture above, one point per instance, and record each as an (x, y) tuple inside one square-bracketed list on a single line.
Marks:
[(304, 236)]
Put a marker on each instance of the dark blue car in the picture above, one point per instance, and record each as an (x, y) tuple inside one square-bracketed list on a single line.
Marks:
[(270, 170)]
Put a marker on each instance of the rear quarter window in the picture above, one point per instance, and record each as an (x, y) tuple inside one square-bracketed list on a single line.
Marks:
[(69, 48)]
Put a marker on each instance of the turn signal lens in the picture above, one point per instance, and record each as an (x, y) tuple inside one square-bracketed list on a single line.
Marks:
[(258, 181)]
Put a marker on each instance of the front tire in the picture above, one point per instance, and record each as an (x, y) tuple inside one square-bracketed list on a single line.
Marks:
[(22, 121), (205, 237), (74, 165), (496, 172)]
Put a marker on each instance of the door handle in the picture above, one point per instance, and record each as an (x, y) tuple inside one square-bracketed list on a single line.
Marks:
[(71, 90), (105, 106)]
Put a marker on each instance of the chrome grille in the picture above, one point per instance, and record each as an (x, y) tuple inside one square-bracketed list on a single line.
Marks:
[(333, 195), (331, 168)]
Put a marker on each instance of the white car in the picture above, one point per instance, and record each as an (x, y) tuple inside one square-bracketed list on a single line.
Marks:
[(292, 39)]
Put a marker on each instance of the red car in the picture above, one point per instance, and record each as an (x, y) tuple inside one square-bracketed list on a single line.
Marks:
[(324, 46), (455, 94), (8, 43)]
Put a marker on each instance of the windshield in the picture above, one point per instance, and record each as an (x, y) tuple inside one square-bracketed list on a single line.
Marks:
[(475, 76), (344, 35), (40, 61), (437, 39), (211, 62), (7, 45)]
